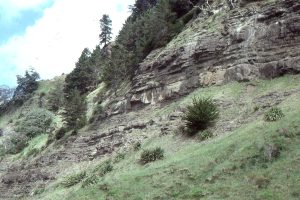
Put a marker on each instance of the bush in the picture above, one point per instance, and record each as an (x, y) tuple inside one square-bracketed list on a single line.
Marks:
[(119, 157), (103, 168), (137, 146), (152, 155), (15, 143), (60, 133), (274, 114), (35, 122), (73, 179), (89, 181), (201, 114)]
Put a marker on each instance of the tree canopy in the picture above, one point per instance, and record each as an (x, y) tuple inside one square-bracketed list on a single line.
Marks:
[(105, 26), (27, 84)]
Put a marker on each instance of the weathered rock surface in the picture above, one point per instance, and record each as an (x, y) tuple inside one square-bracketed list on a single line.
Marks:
[(258, 40)]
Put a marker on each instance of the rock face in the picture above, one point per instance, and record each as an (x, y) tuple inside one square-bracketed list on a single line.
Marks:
[(261, 39)]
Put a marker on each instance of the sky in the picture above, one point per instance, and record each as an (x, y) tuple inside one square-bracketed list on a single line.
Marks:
[(49, 35)]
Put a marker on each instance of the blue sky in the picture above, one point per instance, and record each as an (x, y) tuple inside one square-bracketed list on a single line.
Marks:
[(49, 35)]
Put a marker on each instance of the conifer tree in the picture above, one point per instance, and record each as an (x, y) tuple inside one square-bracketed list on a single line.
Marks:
[(105, 26)]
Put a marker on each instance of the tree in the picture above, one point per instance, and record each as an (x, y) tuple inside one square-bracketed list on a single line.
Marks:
[(105, 26), (140, 6), (27, 84), (83, 77), (75, 109), (56, 97)]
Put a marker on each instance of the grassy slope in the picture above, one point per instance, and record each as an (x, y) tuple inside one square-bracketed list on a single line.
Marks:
[(229, 166)]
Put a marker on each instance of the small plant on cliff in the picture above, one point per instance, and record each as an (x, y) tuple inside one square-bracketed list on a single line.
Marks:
[(103, 168), (151, 155), (73, 179), (200, 115), (137, 146), (274, 114)]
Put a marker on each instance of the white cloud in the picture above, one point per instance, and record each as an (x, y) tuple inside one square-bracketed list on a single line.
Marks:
[(54, 43), (11, 9)]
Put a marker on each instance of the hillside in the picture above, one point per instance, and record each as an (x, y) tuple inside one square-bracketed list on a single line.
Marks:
[(244, 55)]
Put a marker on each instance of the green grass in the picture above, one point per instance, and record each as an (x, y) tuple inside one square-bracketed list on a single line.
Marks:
[(229, 166), (34, 147)]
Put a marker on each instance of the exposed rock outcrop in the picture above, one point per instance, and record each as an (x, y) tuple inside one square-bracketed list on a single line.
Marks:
[(260, 40)]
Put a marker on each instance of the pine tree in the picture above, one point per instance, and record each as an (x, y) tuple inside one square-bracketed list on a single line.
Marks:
[(83, 77), (75, 109), (26, 86), (105, 26)]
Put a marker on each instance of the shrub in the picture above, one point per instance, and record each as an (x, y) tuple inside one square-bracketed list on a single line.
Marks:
[(201, 114), (274, 114), (89, 181), (35, 122), (60, 133), (119, 157), (137, 146), (73, 179), (15, 143), (103, 168), (151, 155)]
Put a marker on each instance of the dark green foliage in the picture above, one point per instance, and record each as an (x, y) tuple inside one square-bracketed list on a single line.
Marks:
[(60, 133), (98, 172), (151, 155), (90, 181), (137, 146), (56, 97), (27, 84), (201, 114), (141, 6), (35, 122), (84, 77), (103, 168), (14, 143), (75, 109), (152, 25), (97, 111), (73, 179), (105, 26), (120, 156), (274, 114)]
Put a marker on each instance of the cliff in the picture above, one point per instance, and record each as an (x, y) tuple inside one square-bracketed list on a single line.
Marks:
[(246, 58)]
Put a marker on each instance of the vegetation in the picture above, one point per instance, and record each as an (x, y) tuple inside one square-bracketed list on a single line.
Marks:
[(201, 114), (238, 164), (35, 122), (103, 168), (27, 84), (105, 26), (137, 146), (204, 135), (274, 114), (73, 179), (56, 97), (247, 158), (151, 155), (75, 109)]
